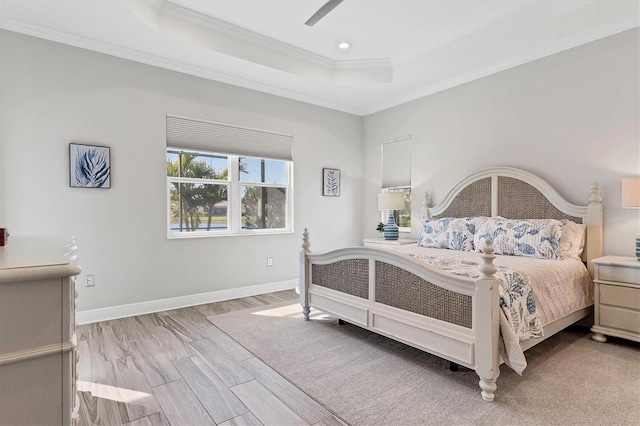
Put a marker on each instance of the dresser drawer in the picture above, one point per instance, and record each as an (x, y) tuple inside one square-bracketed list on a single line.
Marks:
[(623, 319), (619, 274), (627, 297)]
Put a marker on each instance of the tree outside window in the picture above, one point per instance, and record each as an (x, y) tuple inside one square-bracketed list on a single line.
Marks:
[(202, 193)]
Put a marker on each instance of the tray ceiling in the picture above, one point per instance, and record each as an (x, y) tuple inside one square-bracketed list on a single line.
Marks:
[(400, 50)]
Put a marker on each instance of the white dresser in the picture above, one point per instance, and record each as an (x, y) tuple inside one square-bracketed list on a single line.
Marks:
[(617, 298), (37, 331)]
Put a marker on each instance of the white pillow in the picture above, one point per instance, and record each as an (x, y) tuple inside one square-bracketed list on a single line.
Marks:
[(572, 240), (537, 238)]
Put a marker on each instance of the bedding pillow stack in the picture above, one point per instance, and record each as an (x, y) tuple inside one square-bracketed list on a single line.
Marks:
[(539, 238)]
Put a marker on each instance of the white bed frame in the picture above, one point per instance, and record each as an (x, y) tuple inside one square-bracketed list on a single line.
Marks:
[(475, 347)]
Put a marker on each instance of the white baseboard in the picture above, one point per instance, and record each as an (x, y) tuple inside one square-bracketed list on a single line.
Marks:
[(141, 308)]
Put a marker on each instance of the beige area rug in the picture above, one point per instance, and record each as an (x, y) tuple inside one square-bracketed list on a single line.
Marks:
[(367, 379)]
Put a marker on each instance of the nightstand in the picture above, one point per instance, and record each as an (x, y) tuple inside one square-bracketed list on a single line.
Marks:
[(617, 298), (381, 242)]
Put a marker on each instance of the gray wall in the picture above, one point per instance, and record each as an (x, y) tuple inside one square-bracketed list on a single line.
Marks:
[(570, 118), (52, 94)]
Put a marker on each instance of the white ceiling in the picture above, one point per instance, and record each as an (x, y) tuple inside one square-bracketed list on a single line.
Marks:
[(400, 49)]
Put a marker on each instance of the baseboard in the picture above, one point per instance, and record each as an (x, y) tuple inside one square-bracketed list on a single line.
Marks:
[(122, 311)]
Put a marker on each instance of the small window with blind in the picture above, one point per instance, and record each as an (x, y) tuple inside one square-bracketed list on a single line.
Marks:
[(396, 177), (226, 180)]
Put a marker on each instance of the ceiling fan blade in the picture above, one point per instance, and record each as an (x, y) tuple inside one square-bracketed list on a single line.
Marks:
[(326, 8)]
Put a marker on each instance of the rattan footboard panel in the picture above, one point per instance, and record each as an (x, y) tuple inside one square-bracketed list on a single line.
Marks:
[(401, 289), (347, 276)]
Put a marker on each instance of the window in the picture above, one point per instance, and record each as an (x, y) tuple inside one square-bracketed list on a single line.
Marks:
[(263, 190), (212, 193), (396, 177), (402, 217)]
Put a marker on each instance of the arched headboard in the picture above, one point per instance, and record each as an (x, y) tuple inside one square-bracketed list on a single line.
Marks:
[(517, 194)]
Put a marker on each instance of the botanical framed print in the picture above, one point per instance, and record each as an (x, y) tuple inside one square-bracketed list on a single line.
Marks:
[(89, 166), (331, 182)]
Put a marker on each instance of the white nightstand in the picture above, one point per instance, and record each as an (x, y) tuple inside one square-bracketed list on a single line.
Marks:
[(617, 298), (381, 242)]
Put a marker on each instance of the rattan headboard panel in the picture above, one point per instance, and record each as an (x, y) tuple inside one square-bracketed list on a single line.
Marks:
[(474, 200), (519, 200)]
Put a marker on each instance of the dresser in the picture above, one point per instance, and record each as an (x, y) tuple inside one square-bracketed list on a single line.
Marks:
[(37, 331), (617, 298)]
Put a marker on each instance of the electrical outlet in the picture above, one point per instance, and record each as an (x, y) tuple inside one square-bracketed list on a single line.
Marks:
[(89, 280), (269, 261)]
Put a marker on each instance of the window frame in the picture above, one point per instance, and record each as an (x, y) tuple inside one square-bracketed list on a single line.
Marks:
[(384, 214), (234, 199)]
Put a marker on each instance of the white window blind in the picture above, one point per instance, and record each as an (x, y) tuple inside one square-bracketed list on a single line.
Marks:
[(396, 162), (195, 134)]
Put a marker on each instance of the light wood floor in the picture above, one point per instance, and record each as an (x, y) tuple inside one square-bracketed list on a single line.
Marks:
[(177, 368)]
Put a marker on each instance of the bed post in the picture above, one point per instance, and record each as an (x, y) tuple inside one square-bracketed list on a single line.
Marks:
[(487, 331), (594, 222), (304, 271)]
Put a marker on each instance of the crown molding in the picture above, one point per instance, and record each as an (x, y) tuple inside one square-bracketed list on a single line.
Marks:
[(174, 21), (319, 71), (514, 61), (457, 33), (171, 64)]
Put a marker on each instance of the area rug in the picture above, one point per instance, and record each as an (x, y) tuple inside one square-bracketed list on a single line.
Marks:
[(367, 379)]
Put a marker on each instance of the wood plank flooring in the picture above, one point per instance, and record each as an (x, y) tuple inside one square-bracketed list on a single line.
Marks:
[(177, 368)]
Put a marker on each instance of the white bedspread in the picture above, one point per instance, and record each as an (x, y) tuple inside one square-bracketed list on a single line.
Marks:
[(534, 293)]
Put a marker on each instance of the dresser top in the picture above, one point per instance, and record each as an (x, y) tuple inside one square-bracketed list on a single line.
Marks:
[(35, 251), (630, 262)]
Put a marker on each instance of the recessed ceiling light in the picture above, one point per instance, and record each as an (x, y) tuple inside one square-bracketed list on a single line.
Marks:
[(344, 45)]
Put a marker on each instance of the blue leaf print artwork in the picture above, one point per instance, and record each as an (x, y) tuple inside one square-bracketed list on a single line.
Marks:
[(331, 182), (90, 166)]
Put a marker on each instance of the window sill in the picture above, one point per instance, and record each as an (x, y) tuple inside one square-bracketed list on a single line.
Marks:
[(187, 235)]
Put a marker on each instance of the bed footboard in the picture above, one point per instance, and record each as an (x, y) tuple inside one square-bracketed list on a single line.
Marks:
[(456, 318)]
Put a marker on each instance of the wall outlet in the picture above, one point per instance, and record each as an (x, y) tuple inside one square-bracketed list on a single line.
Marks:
[(89, 280), (269, 261)]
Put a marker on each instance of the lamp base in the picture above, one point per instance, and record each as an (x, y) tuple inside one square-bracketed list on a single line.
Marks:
[(391, 229), (637, 247)]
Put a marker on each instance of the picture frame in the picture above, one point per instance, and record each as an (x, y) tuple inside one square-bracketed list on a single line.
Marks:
[(330, 182), (89, 166)]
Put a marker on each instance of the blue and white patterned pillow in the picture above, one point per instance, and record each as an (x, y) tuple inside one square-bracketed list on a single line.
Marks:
[(450, 233), (537, 238)]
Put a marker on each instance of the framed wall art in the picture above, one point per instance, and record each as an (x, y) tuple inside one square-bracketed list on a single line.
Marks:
[(331, 182), (89, 166)]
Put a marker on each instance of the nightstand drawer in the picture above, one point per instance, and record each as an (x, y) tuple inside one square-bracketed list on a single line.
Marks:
[(619, 274), (620, 318), (627, 297)]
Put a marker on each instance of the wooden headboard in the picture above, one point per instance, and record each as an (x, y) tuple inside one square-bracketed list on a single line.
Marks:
[(517, 194)]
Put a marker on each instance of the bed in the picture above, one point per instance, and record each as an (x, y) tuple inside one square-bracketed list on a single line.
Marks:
[(405, 294)]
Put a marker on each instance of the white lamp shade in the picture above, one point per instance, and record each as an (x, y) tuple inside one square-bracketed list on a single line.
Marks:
[(630, 192), (391, 201)]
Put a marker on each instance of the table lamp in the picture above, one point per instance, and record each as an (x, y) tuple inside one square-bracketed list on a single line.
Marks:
[(631, 199), (391, 201)]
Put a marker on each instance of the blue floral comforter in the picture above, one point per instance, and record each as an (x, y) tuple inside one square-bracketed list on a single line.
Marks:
[(520, 320)]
